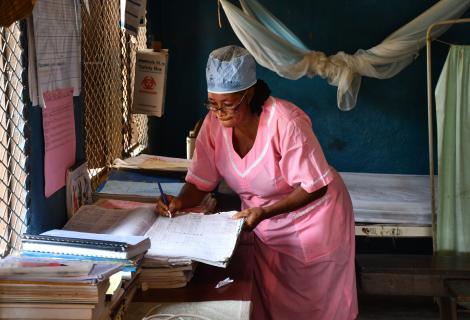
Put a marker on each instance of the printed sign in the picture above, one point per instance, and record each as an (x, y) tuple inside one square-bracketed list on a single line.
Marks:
[(150, 82)]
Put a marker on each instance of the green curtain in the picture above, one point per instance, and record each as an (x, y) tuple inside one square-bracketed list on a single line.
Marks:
[(453, 134)]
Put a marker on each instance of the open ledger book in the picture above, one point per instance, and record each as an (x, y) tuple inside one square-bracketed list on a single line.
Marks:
[(208, 238)]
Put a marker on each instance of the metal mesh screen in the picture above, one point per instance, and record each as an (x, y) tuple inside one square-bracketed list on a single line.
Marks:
[(108, 55), (12, 141), (135, 135)]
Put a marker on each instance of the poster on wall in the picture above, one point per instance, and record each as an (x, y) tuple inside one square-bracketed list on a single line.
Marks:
[(150, 82), (59, 138), (55, 52)]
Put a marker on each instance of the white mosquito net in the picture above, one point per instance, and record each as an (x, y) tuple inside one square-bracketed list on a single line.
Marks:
[(275, 47)]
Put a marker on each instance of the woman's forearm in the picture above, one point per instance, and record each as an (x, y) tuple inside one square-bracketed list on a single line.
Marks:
[(295, 200), (190, 196)]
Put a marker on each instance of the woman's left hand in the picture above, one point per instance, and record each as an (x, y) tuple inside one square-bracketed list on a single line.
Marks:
[(253, 216)]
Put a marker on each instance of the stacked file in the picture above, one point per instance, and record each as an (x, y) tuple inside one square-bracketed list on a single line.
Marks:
[(122, 253), (159, 275), (86, 244), (120, 293), (40, 288), (127, 265)]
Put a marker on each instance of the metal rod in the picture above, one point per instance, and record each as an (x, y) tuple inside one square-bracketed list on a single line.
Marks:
[(430, 137), (430, 121)]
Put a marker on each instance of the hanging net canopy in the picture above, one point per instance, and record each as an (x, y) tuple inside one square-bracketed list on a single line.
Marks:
[(277, 48)]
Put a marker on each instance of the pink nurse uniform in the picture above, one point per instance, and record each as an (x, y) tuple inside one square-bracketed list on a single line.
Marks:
[(304, 259)]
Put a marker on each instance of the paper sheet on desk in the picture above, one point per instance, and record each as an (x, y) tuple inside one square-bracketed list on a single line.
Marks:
[(209, 239), (151, 162)]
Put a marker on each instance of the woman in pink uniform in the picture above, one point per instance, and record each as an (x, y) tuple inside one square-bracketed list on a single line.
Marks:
[(296, 204)]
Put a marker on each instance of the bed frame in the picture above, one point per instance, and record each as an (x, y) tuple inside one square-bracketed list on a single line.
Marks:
[(390, 205)]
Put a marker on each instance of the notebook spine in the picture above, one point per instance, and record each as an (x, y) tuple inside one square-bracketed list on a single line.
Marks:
[(75, 242)]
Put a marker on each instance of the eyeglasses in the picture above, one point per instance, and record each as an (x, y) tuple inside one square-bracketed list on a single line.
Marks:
[(226, 108)]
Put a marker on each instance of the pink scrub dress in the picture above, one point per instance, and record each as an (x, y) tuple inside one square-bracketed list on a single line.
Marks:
[(304, 259)]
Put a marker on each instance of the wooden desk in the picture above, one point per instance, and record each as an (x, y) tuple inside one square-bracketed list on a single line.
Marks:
[(202, 285)]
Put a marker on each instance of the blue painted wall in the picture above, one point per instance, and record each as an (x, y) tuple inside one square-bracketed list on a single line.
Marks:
[(48, 213), (386, 132)]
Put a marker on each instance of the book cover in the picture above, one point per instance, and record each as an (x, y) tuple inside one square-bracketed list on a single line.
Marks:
[(27, 267), (78, 188)]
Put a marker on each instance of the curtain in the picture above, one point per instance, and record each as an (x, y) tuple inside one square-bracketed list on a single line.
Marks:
[(275, 47), (453, 134)]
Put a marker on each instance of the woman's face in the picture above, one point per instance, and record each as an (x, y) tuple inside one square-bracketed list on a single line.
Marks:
[(230, 108)]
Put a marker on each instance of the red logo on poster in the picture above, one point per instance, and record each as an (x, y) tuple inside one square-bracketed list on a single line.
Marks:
[(148, 83)]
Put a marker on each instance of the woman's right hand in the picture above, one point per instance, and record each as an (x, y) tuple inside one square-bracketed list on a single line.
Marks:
[(174, 205)]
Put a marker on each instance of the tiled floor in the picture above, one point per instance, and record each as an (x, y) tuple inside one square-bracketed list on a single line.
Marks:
[(400, 308)]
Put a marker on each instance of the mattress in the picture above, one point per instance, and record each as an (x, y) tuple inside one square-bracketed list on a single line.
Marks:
[(390, 198)]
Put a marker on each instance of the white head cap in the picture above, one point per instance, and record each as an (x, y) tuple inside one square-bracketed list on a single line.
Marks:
[(230, 69)]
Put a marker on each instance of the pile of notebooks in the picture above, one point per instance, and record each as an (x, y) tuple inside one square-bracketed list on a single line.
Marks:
[(41, 288), (99, 245), (63, 274), (123, 286), (166, 274)]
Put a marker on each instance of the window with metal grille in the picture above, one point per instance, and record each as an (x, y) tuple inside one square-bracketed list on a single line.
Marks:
[(108, 54), (12, 141)]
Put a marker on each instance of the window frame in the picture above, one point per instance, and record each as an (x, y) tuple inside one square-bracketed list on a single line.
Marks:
[(14, 144)]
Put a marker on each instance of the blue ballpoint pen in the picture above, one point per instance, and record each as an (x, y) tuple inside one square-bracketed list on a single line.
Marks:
[(164, 198)]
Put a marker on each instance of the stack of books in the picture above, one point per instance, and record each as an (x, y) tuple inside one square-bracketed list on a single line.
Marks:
[(40, 288), (161, 275), (90, 295), (123, 286), (125, 251)]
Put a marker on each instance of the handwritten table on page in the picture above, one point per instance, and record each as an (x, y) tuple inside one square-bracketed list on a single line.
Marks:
[(210, 237)]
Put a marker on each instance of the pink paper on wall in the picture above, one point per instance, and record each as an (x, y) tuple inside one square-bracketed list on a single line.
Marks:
[(59, 138)]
